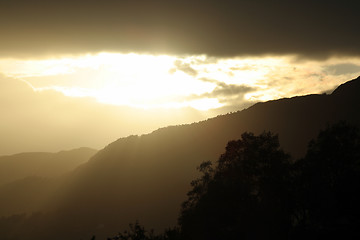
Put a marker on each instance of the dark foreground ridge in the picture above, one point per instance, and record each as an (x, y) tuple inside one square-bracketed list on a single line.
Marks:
[(255, 191)]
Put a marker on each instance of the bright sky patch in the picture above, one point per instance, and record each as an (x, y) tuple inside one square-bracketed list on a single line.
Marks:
[(162, 81)]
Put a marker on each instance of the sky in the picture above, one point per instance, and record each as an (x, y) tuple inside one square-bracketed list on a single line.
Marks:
[(84, 73)]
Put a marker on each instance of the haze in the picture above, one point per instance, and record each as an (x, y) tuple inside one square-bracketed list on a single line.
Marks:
[(84, 73), (108, 107)]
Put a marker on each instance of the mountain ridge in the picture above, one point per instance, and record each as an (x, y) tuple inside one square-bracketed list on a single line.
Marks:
[(146, 177), (153, 171), (46, 164)]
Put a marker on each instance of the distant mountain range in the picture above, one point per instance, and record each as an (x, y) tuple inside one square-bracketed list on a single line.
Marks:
[(29, 180), (41, 164), (146, 177)]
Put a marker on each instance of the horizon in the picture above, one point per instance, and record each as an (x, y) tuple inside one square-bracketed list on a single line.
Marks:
[(214, 115), (84, 73), (76, 108), (197, 119)]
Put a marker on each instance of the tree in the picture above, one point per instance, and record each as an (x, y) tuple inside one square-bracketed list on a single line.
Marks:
[(255, 191), (328, 185), (246, 195), (138, 232)]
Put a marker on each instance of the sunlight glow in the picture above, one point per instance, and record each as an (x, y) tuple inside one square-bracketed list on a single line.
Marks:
[(142, 81), (164, 81)]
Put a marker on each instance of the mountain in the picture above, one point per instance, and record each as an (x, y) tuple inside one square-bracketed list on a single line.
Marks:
[(146, 177), (41, 164), (29, 180)]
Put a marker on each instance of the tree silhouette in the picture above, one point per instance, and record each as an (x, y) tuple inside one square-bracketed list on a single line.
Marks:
[(328, 185), (255, 191), (246, 195), (138, 232)]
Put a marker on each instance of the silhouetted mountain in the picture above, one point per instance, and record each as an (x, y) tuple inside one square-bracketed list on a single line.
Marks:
[(30, 194), (31, 181), (41, 164), (147, 177)]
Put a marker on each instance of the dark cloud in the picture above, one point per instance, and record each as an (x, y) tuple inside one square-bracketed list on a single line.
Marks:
[(343, 68), (216, 28), (184, 67), (227, 90), (229, 94)]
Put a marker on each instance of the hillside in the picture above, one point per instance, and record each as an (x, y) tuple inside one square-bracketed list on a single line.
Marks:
[(146, 177), (29, 180), (41, 164)]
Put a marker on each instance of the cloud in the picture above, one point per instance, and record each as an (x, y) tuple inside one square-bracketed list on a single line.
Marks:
[(315, 29), (228, 94), (227, 90), (184, 67), (245, 68), (342, 68), (49, 121)]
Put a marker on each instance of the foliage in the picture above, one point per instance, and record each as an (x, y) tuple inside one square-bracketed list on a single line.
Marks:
[(248, 191), (255, 191), (138, 232), (328, 184)]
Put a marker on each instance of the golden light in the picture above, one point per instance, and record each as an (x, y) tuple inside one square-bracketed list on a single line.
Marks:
[(164, 81), (142, 81)]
